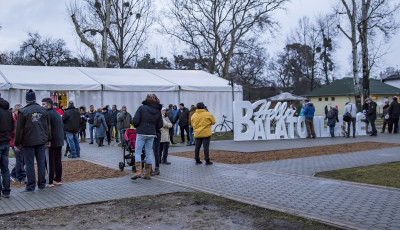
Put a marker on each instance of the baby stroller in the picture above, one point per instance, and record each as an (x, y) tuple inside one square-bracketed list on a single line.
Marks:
[(129, 150)]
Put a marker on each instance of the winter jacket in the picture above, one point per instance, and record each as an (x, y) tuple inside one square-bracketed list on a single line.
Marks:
[(170, 114), (352, 109), (202, 122), (114, 115), (183, 117), (394, 110), (332, 121), (57, 129), (191, 112), (124, 120), (15, 118), (107, 117), (90, 116), (6, 122), (148, 119), (101, 130), (33, 126), (174, 114), (82, 121), (309, 111), (165, 129), (385, 111), (71, 119), (371, 113)]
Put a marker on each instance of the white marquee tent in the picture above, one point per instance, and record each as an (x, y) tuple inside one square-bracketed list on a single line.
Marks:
[(100, 87)]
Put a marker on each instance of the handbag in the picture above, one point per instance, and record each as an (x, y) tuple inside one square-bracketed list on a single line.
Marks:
[(347, 116)]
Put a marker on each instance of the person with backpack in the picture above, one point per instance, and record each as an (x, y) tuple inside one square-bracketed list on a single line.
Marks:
[(101, 127), (350, 110), (308, 112), (332, 116)]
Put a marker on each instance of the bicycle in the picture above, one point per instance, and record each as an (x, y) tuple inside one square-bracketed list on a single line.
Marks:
[(221, 129)]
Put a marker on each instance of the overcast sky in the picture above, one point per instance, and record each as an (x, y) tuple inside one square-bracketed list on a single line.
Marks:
[(49, 17)]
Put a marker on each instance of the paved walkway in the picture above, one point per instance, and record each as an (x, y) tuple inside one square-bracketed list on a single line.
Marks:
[(282, 185)]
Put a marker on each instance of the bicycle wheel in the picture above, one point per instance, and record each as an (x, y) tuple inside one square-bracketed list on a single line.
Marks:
[(220, 130)]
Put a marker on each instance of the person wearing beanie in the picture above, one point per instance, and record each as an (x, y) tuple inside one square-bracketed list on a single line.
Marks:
[(371, 115), (6, 128), (32, 135), (394, 113), (57, 141), (202, 121), (71, 120), (183, 117), (101, 127)]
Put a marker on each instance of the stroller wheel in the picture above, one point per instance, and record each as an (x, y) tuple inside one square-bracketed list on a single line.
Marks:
[(121, 166)]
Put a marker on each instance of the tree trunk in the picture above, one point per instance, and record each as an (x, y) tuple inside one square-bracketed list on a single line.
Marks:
[(364, 48), (104, 45), (357, 91)]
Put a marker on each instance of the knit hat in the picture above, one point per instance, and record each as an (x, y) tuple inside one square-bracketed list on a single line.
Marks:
[(30, 96)]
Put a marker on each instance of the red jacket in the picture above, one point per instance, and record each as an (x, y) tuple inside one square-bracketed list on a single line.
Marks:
[(15, 117)]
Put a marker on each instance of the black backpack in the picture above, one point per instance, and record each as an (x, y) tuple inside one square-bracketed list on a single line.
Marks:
[(331, 114)]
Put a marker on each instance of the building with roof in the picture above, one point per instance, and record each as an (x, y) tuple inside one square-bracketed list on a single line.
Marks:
[(341, 91), (393, 80), (100, 87)]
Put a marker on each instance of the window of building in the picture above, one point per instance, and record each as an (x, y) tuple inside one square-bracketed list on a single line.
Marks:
[(320, 99), (332, 98), (326, 98)]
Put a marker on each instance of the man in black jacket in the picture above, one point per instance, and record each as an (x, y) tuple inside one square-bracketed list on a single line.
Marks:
[(114, 122), (183, 117), (107, 118), (57, 141), (71, 120), (170, 116), (33, 133), (6, 127), (371, 115), (394, 113)]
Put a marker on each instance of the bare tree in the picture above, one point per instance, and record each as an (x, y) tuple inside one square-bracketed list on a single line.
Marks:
[(45, 51), (349, 8), (130, 22), (213, 28), (92, 24), (377, 15)]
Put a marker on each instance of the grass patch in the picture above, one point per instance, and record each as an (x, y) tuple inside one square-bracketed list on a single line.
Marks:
[(229, 157), (383, 174)]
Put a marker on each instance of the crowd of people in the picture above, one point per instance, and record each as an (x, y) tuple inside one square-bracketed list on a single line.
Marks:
[(39, 131), (390, 116)]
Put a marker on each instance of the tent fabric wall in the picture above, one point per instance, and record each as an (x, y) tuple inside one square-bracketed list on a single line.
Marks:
[(132, 100)]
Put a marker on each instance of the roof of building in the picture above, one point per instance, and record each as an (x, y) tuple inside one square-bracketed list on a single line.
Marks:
[(345, 86), (392, 77)]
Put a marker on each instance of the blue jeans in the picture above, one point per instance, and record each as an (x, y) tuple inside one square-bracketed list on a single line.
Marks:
[(73, 142), (332, 130), (30, 153), (116, 131), (5, 172), (92, 129), (19, 169), (191, 141), (147, 142)]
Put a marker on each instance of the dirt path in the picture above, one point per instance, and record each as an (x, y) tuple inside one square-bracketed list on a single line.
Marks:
[(229, 157), (172, 211)]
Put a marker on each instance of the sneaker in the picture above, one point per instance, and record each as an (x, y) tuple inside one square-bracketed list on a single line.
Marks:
[(13, 179), (209, 163), (199, 162), (57, 182), (167, 163), (49, 185), (6, 195), (91, 143), (23, 180)]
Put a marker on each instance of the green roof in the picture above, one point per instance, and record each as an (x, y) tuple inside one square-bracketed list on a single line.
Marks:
[(345, 86)]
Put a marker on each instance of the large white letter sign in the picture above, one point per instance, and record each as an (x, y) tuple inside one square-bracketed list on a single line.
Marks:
[(243, 112), (258, 121)]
